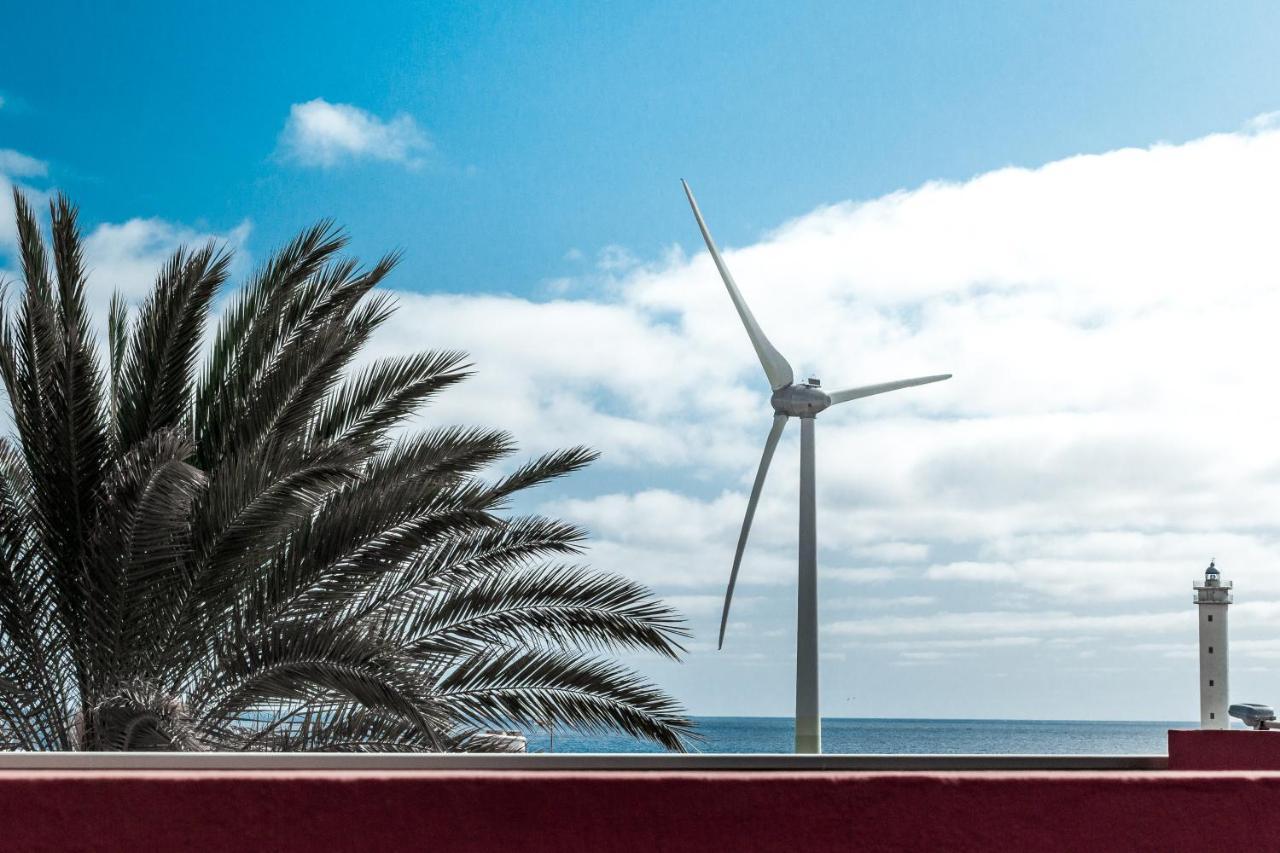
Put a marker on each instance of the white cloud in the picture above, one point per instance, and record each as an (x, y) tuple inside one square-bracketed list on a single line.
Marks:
[(877, 574), (990, 624), (895, 552), (126, 256), (970, 571), (616, 259), (968, 644), (923, 652), (1268, 648), (676, 520), (872, 602), (1263, 122), (1119, 565), (19, 165), (318, 133), (14, 166)]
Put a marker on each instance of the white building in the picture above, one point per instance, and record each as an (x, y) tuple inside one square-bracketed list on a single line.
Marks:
[(1212, 599)]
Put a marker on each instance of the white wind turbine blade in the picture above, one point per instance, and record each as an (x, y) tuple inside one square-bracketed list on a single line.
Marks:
[(871, 390), (770, 444), (776, 368)]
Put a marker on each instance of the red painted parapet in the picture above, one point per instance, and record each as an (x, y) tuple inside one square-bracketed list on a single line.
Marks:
[(1224, 749), (600, 811)]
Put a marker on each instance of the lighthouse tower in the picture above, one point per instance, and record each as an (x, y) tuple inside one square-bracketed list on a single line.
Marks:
[(1212, 598)]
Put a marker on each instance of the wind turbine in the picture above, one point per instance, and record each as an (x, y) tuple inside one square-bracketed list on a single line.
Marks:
[(804, 401)]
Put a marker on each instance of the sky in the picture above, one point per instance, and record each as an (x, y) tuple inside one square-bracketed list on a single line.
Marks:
[(1073, 207)]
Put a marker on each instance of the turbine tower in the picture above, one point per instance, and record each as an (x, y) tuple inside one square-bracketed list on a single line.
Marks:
[(804, 401)]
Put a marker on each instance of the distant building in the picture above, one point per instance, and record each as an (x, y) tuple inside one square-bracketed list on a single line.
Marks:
[(1212, 598)]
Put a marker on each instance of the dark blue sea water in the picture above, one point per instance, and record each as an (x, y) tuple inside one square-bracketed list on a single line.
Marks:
[(775, 734)]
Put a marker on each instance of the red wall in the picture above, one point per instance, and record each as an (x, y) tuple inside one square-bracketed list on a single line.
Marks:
[(1224, 749), (651, 811)]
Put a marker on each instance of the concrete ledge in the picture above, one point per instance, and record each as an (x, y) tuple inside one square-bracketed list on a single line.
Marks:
[(1223, 749), (655, 810)]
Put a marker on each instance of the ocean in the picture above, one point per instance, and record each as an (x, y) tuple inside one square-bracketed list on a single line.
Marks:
[(865, 735)]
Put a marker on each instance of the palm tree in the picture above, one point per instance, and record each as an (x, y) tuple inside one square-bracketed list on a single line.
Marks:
[(246, 550)]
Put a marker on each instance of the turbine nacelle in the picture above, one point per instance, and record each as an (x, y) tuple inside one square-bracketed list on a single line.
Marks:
[(804, 400)]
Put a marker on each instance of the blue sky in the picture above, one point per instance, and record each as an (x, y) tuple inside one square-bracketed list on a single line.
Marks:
[(563, 126), (1020, 542)]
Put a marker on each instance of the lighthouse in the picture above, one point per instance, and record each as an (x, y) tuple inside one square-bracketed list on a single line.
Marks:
[(1212, 598)]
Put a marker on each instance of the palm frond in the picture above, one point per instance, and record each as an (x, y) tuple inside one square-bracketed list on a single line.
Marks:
[(141, 537), (383, 395), (545, 468), (547, 607), (117, 343), (532, 688), (250, 329), (155, 377)]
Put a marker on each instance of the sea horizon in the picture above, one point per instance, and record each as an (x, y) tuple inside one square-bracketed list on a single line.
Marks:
[(875, 735)]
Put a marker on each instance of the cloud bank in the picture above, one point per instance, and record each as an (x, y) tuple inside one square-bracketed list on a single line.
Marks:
[(1109, 319)]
